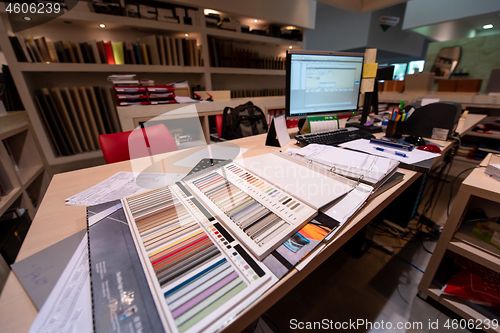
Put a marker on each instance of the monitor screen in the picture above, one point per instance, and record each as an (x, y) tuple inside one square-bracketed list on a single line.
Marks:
[(321, 82)]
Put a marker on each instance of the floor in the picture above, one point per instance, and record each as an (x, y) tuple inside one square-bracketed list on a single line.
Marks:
[(377, 288)]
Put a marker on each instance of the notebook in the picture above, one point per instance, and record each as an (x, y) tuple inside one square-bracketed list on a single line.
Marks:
[(369, 169)]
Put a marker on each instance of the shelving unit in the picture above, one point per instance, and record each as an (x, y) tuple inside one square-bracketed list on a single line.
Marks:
[(81, 25), (21, 165), (477, 186)]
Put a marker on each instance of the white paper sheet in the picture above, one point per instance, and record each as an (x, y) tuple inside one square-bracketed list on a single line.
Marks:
[(281, 129), (69, 307), (349, 204), (413, 156), (120, 185), (212, 151)]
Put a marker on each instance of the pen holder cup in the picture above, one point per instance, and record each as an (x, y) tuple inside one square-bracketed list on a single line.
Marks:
[(394, 129)]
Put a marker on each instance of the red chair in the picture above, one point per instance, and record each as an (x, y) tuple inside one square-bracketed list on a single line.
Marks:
[(138, 143)]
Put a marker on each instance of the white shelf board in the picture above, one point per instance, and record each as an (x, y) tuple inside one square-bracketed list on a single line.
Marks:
[(106, 68), (76, 157), (458, 307), (8, 199), (475, 254), (246, 71), (30, 174)]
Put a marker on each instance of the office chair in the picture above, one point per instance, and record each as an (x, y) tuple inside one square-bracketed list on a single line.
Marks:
[(146, 141)]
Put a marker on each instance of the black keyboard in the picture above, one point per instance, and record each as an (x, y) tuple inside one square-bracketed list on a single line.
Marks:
[(334, 137)]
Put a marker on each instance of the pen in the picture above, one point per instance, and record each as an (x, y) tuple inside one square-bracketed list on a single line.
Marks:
[(398, 153)]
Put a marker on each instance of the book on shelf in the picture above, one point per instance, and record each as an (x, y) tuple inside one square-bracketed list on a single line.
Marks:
[(74, 117), (223, 53), (151, 50)]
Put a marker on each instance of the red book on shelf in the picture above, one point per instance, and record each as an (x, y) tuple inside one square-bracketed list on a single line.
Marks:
[(109, 53), (102, 52)]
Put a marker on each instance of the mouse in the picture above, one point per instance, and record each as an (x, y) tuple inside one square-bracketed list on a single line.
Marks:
[(415, 140), (430, 148)]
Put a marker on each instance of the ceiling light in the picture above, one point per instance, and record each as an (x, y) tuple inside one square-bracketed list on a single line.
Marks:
[(102, 25), (256, 20), (187, 35), (290, 47), (487, 26), (27, 18)]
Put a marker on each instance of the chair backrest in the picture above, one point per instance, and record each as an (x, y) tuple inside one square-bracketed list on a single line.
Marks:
[(147, 141)]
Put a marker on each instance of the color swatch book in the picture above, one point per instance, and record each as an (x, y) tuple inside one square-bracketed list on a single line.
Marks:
[(200, 276)]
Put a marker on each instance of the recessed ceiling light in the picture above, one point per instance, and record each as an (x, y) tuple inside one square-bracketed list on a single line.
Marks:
[(487, 26), (27, 18), (187, 35), (256, 20), (102, 25), (290, 47)]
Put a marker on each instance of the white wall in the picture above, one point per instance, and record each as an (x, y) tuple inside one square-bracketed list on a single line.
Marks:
[(299, 13), (425, 12), (394, 39), (337, 30)]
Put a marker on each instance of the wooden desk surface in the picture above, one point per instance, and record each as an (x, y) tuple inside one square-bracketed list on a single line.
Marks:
[(54, 221)]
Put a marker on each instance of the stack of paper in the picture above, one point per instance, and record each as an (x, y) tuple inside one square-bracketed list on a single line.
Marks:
[(493, 168)]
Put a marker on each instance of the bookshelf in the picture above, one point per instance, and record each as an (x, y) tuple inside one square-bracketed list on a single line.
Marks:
[(477, 187), (82, 25), (22, 169)]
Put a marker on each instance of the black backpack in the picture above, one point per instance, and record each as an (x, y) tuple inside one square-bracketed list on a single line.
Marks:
[(244, 120)]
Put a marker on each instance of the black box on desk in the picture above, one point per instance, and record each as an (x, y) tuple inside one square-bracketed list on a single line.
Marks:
[(435, 121), (12, 234)]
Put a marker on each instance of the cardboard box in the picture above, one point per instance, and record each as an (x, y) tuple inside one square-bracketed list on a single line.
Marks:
[(419, 82), (447, 86), (394, 85), (469, 85)]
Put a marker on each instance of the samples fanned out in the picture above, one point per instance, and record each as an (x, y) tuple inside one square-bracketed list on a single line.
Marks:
[(200, 276)]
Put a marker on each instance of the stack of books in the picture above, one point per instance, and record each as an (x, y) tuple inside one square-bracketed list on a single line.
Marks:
[(75, 117), (150, 50), (224, 54)]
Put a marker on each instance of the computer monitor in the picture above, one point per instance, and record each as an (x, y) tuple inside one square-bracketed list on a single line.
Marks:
[(322, 83)]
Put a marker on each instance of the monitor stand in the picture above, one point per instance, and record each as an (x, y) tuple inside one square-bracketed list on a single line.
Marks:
[(371, 101)]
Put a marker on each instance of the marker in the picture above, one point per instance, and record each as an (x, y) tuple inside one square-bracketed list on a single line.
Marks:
[(398, 153)]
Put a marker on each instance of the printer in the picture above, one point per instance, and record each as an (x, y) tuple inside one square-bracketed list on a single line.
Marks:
[(436, 120)]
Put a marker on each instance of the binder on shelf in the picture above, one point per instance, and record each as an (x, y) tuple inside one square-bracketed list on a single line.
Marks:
[(82, 117), (42, 47), (137, 54), (118, 56), (152, 50), (74, 118), (53, 125), (108, 101), (52, 51), (78, 53), (102, 52), (82, 94), (95, 109), (95, 51), (106, 119), (109, 53), (58, 120), (168, 50), (66, 119)]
